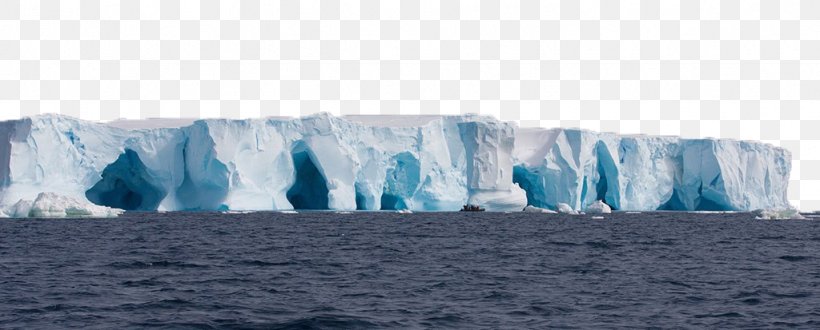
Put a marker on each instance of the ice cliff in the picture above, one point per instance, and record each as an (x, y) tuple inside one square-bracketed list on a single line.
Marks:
[(424, 163)]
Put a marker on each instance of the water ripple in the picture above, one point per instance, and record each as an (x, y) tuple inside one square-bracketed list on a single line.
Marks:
[(317, 270)]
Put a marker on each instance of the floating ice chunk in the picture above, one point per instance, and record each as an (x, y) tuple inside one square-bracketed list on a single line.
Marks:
[(599, 207), (533, 209), (51, 205), (712, 212), (566, 209), (404, 211), (236, 212), (20, 209), (598, 217), (779, 214)]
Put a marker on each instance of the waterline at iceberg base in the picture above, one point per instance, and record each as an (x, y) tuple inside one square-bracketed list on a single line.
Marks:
[(420, 163)]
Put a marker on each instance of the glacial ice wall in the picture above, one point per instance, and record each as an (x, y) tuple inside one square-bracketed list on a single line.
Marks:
[(579, 167), (426, 163)]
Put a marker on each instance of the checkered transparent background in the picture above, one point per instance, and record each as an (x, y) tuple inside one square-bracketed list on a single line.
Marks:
[(746, 69)]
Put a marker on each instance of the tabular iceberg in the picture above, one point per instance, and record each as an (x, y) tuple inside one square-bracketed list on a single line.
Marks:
[(423, 163)]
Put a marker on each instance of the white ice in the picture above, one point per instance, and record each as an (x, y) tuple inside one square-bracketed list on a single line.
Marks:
[(420, 163), (779, 214), (566, 209), (645, 173), (598, 207), (533, 209), (51, 205)]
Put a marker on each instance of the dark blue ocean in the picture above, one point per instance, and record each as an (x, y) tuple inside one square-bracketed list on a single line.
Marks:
[(422, 270)]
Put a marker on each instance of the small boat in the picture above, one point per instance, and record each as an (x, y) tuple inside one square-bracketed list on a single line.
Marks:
[(472, 208)]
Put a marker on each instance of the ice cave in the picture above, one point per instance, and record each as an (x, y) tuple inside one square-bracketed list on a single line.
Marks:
[(392, 202), (126, 184), (309, 191), (530, 183)]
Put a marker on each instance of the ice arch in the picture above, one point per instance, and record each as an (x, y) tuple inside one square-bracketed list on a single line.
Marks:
[(531, 183), (392, 202), (674, 203), (711, 200), (402, 182), (309, 191), (704, 202), (126, 184)]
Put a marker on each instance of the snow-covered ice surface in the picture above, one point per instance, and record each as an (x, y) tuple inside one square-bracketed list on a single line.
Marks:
[(420, 163), (392, 120), (51, 205), (133, 124)]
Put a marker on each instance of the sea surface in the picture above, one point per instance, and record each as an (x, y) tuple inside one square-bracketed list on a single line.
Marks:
[(421, 270)]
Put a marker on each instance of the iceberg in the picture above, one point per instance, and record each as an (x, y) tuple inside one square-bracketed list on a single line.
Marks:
[(566, 209), (779, 214), (21, 209), (51, 205), (533, 209), (598, 207), (417, 163)]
